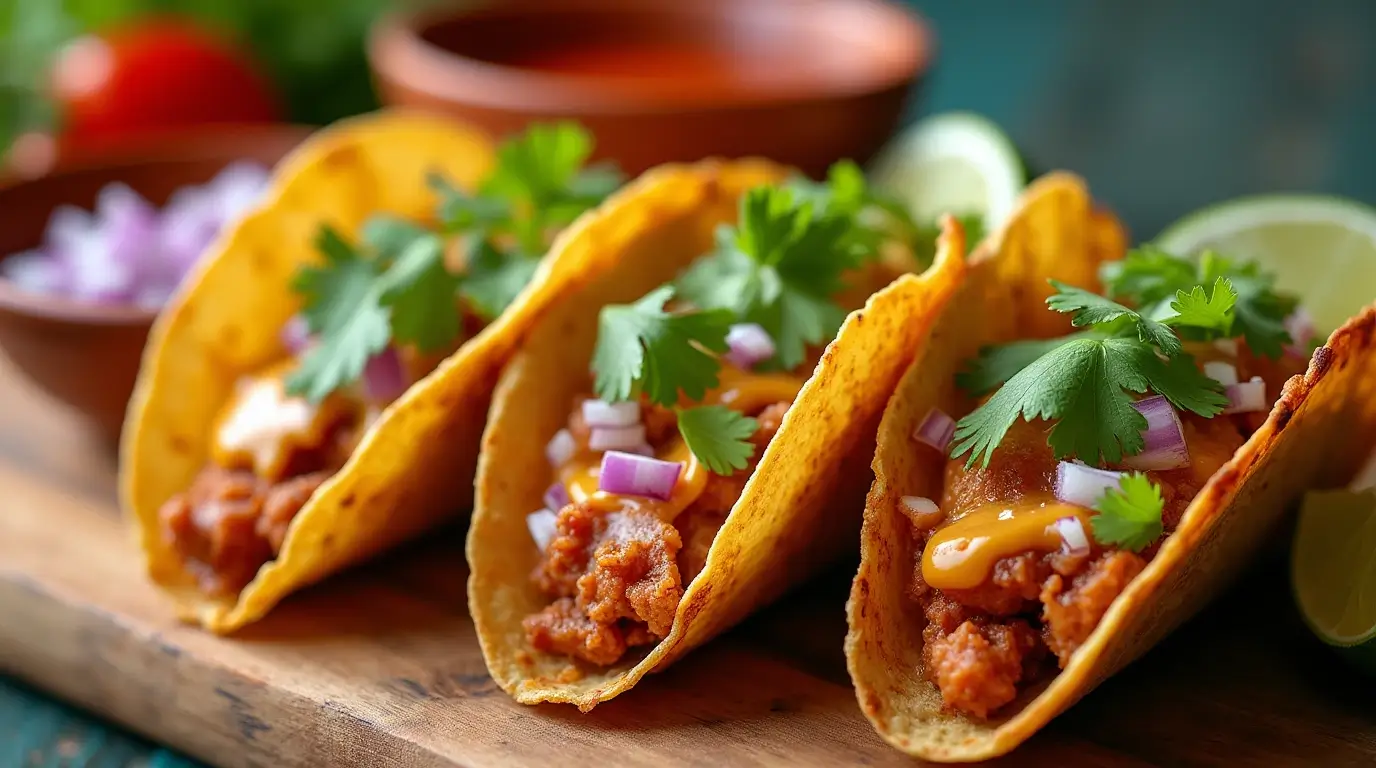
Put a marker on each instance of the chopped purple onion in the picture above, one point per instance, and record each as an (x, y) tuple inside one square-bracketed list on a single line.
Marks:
[(1082, 485), (557, 497), (1073, 538), (632, 475), (1164, 439), (129, 252), (1247, 397), (384, 377), (544, 526), (600, 413), (617, 438), (936, 429), (748, 345), (560, 448)]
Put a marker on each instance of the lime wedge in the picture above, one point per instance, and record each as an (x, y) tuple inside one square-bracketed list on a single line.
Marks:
[(957, 162), (1323, 248), (1333, 570)]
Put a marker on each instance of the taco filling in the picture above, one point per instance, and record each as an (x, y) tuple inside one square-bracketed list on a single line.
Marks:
[(1080, 457), (377, 316), (690, 385)]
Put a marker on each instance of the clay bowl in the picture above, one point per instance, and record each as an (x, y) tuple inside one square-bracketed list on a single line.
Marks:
[(87, 355), (804, 82)]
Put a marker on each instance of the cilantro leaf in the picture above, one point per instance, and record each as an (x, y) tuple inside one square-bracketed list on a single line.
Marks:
[(924, 237), (387, 236), (1206, 311), (493, 280), (1129, 516), (778, 267), (999, 363), (1083, 384), (1150, 277), (1093, 309), (1147, 275), (343, 308), (420, 292), (640, 347), (462, 212), (718, 436), (872, 217)]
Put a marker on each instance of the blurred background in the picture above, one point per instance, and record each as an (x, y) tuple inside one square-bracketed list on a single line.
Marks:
[(1163, 106)]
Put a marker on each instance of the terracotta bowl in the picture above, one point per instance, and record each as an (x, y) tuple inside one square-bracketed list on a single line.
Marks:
[(804, 82), (87, 355)]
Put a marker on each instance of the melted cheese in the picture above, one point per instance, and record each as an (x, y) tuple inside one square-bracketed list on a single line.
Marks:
[(961, 555), (261, 424)]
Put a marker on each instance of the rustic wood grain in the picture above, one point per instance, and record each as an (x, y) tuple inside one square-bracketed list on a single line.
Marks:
[(381, 667)]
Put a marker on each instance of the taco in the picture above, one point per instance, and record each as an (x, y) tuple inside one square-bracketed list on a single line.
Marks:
[(1090, 446), (315, 392), (685, 436)]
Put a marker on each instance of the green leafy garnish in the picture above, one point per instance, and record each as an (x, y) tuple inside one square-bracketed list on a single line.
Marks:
[(779, 267), (641, 348), (1083, 381), (343, 307), (403, 292), (1129, 516), (924, 238), (718, 436), (1150, 278), (873, 217)]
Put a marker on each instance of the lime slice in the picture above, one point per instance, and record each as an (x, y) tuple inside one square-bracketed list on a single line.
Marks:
[(956, 162), (1323, 248), (1333, 570)]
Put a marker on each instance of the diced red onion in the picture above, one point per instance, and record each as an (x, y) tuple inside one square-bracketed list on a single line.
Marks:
[(295, 334), (617, 438), (1247, 397), (632, 475), (600, 413), (749, 344), (560, 448), (936, 429), (127, 251), (544, 526), (1226, 346), (1221, 372), (1073, 538), (1165, 439), (384, 377), (557, 497), (1082, 485), (1300, 326)]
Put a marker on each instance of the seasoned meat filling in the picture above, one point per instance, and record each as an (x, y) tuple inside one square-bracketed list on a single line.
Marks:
[(616, 574)]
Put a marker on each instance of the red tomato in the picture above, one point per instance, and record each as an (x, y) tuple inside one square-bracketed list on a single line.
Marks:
[(156, 74)]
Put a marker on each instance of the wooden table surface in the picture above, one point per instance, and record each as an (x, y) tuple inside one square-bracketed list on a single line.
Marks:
[(381, 667)]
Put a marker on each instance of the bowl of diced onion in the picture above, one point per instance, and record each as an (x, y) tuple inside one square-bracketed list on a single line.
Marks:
[(91, 252)]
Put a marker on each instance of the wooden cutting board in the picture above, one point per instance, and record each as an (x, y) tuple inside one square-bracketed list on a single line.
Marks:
[(380, 667)]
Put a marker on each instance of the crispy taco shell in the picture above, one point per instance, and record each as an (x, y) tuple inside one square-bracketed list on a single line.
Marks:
[(800, 508), (414, 467), (1316, 435)]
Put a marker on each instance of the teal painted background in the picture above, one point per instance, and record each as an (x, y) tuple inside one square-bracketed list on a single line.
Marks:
[(1164, 106)]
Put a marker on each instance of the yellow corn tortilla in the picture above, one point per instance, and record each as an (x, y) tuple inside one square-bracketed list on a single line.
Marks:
[(414, 468), (799, 510), (1326, 418)]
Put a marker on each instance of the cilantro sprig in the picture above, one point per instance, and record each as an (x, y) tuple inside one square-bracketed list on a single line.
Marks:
[(1082, 382), (1129, 516), (395, 287), (779, 266), (1151, 278)]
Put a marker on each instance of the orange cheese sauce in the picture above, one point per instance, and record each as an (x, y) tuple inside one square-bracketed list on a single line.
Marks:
[(961, 555)]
